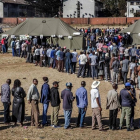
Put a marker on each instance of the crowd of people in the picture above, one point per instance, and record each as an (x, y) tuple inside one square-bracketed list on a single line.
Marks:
[(125, 101), (105, 58)]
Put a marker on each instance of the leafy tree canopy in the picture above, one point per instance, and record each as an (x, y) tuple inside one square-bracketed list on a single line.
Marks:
[(47, 7)]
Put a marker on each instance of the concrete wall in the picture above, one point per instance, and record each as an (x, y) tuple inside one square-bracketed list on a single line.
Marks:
[(86, 21), (130, 7), (1, 10)]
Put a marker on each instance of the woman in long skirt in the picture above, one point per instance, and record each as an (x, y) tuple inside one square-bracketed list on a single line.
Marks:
[(18, 111)]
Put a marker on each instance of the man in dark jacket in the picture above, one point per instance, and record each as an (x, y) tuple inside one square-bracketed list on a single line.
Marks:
[(45, 99), (126, 100), (5, 99), (55, 103), (68, 98)]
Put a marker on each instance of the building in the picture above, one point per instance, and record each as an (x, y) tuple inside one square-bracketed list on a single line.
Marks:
[(15, 8), (133, 7), (81, 8)]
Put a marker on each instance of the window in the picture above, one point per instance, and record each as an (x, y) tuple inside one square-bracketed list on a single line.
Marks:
[(5, 14), (137, 11), (131, 3), (137, 3)]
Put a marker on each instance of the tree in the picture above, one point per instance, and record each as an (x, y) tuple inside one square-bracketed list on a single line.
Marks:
[(46, 7), (114, 8)]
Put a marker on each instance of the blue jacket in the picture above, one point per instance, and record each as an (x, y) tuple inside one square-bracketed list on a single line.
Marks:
[(81, 97), (53, 54), (125, 98), (45, 94)]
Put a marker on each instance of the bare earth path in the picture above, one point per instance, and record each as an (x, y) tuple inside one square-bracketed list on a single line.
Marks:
[(16, 68)]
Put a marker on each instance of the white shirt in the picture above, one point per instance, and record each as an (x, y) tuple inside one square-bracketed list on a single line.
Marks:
[(95, 94), (37, 52), (83, 59), (74, 56)]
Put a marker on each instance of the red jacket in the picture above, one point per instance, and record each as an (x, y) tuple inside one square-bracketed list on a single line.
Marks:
[(3, 41)]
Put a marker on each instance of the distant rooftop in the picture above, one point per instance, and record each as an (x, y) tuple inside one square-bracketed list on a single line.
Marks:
[(14, 1)]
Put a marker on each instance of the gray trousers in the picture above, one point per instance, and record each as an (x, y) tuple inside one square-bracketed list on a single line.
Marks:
[(115, 76), (124, 75), (107, 73)]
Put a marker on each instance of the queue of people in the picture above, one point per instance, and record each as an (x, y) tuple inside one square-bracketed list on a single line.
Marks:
[(125, 101)]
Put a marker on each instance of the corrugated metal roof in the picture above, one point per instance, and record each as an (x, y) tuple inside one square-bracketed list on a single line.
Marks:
[(14, 1)]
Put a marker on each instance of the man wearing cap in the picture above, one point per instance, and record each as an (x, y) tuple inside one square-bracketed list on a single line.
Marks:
[(45, 99), (55, 103), (96, 105), (113, 105), (126, 100), (82, 103), (68, 98)]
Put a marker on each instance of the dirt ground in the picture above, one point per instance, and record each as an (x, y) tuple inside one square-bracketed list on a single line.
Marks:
[(16, 68)]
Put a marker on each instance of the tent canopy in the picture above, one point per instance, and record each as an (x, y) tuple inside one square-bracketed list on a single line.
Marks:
[(134, 30), (42, 26), (48, 27)]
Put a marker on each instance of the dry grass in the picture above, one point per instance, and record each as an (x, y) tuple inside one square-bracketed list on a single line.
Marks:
[(16, 68)]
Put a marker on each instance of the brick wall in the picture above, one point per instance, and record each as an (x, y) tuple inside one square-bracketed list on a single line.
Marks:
[(91, 21)]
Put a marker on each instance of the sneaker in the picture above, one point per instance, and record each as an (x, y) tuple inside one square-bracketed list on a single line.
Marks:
[(52, 125), (129, 129), (132, 128)]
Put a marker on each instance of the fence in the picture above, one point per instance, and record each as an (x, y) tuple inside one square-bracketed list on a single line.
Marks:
[(87, 21)]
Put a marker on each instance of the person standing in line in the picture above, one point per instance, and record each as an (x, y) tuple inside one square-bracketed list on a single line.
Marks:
[(5, 99), (126, 104), (74, 60), (37, 55), (45, 99), (125, 68), (18, 110), (67, 97), (132, 70), (111, 62), (32, 98), (82, 103), (133, 93), (41, 56), (113, 105), (107, 61), (3, 45), (55, 103), (13, 45), (96, 106), (93, 63), (49, 55), (115, 67), (68, 62), (83, 59)]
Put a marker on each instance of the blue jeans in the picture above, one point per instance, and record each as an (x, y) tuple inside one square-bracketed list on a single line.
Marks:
[(67, 115), (68, 67), (81, 117), (94, 71), (13, 51), (3, 49), (44, 117)]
